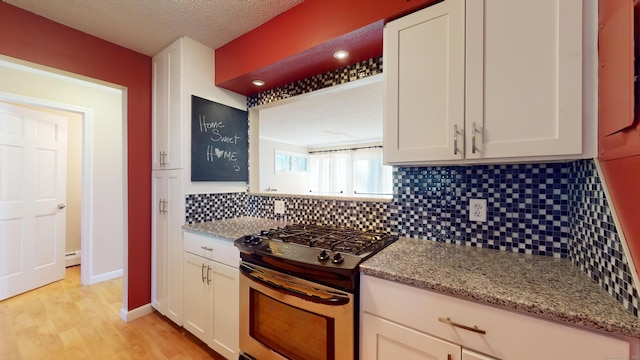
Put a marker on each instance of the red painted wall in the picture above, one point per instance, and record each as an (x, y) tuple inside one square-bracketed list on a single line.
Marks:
[(314, 29), (30, 37), (618, 123)]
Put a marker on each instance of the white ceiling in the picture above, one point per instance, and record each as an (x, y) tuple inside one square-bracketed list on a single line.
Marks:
[(345, 114), (148, 26)]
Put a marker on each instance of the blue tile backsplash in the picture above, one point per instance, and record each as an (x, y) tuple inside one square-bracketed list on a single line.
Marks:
[(527, 206), (554, 209)]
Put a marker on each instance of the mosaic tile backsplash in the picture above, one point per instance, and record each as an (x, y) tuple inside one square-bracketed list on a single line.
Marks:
[(556, 209), (595, 246), (342, 75)]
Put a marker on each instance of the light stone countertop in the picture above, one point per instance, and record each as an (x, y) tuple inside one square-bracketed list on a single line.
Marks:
[(546, 287), (232, 229)]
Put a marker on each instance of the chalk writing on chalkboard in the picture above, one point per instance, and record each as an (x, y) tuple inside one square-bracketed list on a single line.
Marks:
[(219, 142)]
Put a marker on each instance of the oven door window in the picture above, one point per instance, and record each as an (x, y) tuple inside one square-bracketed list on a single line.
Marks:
[(295, 333)]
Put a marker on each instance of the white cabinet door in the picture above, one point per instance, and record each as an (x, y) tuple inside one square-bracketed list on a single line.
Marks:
[(424, 85), (166, 243), (386, 340), (167, 108), (175, 219), (159, 235), (198, 292), (225, 337), (472, 355), (523, 79)]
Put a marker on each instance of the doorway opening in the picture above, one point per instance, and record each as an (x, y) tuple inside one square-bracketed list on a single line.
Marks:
[(103, 190)]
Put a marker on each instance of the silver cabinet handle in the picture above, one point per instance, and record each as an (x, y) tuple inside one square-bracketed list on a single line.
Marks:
[(455, 139), (465, 327), (204, 276), (209, 274), (206, 248), (61, 206), (163, 206), (473, 138), (163, 158)]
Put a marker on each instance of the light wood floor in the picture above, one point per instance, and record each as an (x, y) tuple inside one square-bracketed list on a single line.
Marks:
[(64, 320)]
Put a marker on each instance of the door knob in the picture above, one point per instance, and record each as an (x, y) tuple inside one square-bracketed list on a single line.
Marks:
[(61, 206)]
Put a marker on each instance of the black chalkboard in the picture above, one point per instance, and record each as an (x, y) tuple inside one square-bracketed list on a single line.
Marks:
[(219, 142)]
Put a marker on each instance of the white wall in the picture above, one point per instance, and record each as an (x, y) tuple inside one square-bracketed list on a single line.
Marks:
[(104, 107), (199, 80), (74, 180), (283, 183)]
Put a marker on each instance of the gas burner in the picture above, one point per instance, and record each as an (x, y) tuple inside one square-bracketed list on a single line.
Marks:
[(343, 240), (326, 254)]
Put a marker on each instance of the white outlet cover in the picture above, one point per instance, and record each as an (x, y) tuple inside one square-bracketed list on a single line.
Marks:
[(278, 206), (478, 210)]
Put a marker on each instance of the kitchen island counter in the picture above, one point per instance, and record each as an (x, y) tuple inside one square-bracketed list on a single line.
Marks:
[(546, 287), (232, 229)]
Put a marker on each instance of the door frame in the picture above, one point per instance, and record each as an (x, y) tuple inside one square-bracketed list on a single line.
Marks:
[(87, 202)]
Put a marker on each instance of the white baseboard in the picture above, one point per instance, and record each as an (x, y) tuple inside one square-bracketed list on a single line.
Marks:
[(72, 258), (136, 313), (106, 276)]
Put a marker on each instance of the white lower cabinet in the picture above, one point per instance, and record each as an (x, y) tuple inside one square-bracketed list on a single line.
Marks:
[(211, 280), (166, 239), (198, 317), (384, 339), (472, 355), (404, 322)]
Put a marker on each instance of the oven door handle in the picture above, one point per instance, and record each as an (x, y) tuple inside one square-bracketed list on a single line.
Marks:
[(301, 291)]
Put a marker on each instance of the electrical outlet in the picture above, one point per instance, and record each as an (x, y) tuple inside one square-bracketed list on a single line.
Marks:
[(478, 210), (278, 206)]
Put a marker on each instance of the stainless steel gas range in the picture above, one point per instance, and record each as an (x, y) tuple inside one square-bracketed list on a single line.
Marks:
[(299, 291)]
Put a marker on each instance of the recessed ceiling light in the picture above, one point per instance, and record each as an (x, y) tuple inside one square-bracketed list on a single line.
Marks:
[(258, 82), (341, 54)]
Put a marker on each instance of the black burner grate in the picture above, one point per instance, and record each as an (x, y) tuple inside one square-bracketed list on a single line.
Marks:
[(344, 240)]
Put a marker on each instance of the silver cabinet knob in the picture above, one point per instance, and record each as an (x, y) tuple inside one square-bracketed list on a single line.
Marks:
[(61, 206)]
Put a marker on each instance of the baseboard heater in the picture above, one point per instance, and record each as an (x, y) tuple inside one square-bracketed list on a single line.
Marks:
[(72, 258)]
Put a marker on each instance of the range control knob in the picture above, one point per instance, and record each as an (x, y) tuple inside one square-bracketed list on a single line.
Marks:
[(337, 258), (323, 255), (252, 240)]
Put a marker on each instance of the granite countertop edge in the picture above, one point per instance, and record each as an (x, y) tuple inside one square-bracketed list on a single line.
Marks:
[(581, 303), (234, 228)]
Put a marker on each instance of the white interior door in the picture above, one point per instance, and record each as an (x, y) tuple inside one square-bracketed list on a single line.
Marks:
[(33, 161)]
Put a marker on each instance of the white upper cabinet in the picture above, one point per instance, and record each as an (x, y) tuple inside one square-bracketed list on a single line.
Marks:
[(167, 126), (424, 84), (502, 83)]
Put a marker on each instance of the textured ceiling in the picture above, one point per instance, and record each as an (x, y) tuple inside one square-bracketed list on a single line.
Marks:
[(148, 26)]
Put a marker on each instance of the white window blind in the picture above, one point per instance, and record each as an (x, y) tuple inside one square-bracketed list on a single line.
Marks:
[(349, 172)]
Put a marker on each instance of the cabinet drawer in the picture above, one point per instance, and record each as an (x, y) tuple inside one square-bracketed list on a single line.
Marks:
[(508, 335), (220, 250)]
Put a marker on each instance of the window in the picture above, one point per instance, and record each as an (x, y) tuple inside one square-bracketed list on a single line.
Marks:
[(349, 172), (289, 162)]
